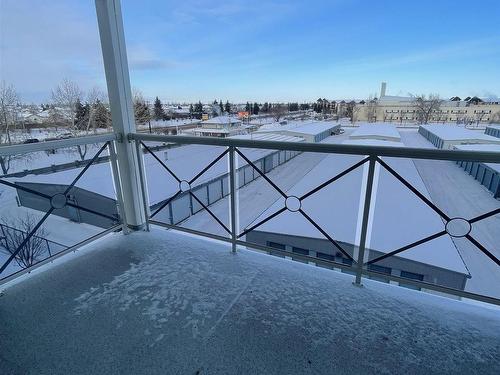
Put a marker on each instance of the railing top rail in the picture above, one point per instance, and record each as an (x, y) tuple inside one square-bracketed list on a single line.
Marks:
[(52, 145), (398, 152)]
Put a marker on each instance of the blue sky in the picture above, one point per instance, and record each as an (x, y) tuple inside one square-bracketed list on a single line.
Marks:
[(265, 51)]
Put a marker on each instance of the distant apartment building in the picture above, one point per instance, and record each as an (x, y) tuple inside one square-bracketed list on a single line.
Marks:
[(402, 109)]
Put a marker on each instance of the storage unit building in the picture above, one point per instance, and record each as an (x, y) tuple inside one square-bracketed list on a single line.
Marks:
[(383, 132), (487, 174), (313, 131), (398, 219), (447, 136), (493, 130)]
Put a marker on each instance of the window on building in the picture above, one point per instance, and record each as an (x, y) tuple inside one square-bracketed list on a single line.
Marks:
[(298, 250), (276, 245), (412, 276), (347, 261), (325, 256), (380, 269)]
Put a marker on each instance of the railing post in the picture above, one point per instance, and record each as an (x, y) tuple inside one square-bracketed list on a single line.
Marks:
[(109, 19), (142, 177), (232, 203), (118, 187), (364, 224)]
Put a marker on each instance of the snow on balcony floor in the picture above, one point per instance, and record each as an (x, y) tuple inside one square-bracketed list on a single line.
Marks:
[(166, 303)]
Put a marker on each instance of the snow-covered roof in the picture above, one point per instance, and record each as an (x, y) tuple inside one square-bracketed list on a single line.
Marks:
[(399, 217), (185, 161), (391, 98), (269, 137), (372, 142), (309, 127), (222, 120), (208, 130), (376, 131), (493, 126), (456, 133)]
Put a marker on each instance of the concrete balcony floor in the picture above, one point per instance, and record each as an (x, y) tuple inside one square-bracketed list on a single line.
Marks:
[(165, 303)]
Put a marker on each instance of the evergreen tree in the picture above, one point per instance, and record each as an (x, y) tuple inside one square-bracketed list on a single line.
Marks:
[(80, 114), (256, 108), (265, 107), (221, 106), (141, 112), (102, 117), (248, 107), (228, 107), (198, 110), (158, 112)]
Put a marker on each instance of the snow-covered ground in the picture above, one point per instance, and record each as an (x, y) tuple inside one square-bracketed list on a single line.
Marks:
[(165, 303)]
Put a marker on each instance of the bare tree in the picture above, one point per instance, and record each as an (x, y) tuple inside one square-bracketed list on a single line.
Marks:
[(66, 95), (9, 101), (425, 107), (371, 108), (278, 111), (355, 112), (9, 108), (495, 118), (479, 116), (14, 233)]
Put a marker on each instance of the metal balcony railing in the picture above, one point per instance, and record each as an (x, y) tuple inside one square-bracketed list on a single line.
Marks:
[(356, 262), (18, 250)]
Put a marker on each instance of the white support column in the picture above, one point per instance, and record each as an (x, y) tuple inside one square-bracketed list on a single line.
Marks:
[(114, 53)]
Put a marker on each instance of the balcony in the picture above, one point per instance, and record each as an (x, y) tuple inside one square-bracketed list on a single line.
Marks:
[(174, 254), (164, 302), (196, 299)]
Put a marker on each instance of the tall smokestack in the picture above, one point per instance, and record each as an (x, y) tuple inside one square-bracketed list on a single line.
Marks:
[(382, 89)]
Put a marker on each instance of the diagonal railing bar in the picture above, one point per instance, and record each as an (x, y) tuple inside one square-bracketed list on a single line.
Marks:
[(413, 190), (161, 162), (326, 235), (262, 174), (49, 212), (28, 190), (262, 222), (483, 249), (484, 216), (87, 166), (335, 178), (164, 204), (210, 212), (91, 211), (407, 247), (208, 166), (26, 239)]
